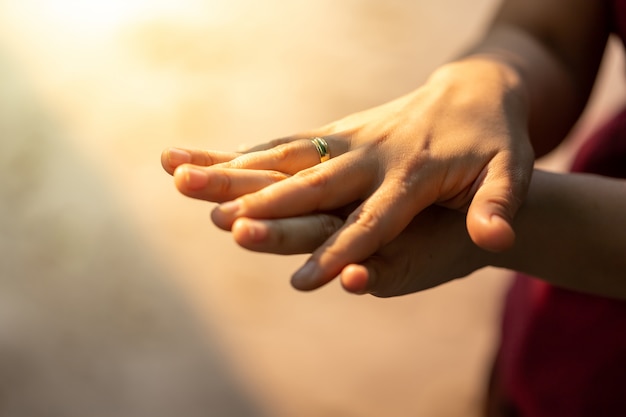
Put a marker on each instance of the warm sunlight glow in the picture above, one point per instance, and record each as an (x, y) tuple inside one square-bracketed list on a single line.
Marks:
[(92, 14), (97, 17)]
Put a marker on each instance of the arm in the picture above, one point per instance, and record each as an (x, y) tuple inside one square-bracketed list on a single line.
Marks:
[(572, 233), (555, 47), (461, 141)]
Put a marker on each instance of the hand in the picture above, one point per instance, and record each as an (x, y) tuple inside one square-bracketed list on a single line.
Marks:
[(433, 249), (459, 142)]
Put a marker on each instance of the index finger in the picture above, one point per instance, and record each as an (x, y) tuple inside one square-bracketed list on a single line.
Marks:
[(375, 223)]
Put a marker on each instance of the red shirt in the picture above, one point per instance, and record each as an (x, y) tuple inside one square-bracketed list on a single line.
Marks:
[(563, 353)]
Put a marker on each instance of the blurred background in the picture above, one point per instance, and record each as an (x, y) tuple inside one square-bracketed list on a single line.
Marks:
[(118, 297)]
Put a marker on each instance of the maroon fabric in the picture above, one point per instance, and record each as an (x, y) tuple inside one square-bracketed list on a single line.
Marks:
[(563, 353), (605, 152)]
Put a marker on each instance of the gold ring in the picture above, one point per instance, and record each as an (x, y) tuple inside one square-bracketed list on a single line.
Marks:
[(322, 148)]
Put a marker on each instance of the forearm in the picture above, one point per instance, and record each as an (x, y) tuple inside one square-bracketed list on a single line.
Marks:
[(553, 98), (571, 232), (554, 47)]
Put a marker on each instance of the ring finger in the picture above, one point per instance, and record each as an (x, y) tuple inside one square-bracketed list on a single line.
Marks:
[(291, 157)]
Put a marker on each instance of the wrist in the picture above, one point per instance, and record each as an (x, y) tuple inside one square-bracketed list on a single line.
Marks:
[(487, 73), (531, 224)]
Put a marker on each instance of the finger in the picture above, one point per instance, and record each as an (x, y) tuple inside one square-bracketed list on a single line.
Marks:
[(375, 223), (497, 199), (289, 236), (323, 187), (356, 278), (381, 278), (219, 185), (172, 158), (289, 157), (272, 144), (280, 141)]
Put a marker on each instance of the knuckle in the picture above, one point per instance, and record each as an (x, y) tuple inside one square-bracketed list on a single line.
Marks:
[(276, 176), (332, 254), (328, 225), (365, 224), (237, 163), (404, 180), (280, 152), (224, 184), (313, 177), (365, 219), (207, 159)]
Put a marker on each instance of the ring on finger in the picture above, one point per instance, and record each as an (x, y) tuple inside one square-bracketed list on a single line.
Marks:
[(322, 148)]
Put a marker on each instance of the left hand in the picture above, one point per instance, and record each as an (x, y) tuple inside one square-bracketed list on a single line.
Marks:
[(433, 249)]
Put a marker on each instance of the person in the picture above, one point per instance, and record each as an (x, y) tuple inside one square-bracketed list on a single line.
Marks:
[(440, 182)]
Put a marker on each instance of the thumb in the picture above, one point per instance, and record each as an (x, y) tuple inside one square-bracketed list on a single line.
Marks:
[(493, 208)]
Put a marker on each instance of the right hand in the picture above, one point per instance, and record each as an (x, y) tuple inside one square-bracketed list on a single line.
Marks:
[(460, 141)]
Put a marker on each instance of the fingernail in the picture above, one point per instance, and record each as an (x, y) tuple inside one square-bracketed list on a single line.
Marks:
[(195, 178), (177, 157), (307, 276), (230, 207)]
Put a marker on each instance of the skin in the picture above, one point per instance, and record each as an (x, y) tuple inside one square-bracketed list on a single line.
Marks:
[(563, 215), (465, 142)]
